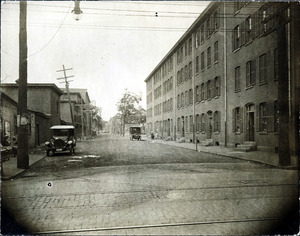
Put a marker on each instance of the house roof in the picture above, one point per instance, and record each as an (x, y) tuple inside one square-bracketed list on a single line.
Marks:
[(83, 93), (36, 85)]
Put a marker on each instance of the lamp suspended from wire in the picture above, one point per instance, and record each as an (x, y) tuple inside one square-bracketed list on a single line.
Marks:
[(77, 13)]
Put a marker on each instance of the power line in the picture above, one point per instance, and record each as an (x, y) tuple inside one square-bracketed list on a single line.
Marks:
[(52, 36)]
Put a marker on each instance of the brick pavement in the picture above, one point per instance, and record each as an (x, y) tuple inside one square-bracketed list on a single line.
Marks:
[(159, 195)]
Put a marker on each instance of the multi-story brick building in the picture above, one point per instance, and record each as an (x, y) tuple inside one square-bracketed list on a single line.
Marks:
[(219, 83)]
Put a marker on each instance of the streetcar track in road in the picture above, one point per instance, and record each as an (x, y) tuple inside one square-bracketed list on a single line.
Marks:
[(128, 205), (159, 225), (154, 190)]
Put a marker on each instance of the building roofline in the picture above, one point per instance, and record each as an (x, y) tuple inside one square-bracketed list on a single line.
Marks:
[(4, 95), (179, 41), (45, 85)]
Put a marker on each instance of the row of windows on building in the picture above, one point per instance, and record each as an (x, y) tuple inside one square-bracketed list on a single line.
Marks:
[(201, 63), (264, 70), (254, 25), (206, 29), (266, 120), (186, 73), (205, 122), (267, 117), (162, 72), (164, 107), (157, 92), (208, 90), (184, 50), (168, 85)]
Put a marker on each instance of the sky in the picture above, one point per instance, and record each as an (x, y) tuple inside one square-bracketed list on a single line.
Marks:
[(115, 45)]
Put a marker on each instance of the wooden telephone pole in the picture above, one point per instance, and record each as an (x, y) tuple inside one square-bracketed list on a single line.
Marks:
[(282, 20), (65, 78), (22, 121)]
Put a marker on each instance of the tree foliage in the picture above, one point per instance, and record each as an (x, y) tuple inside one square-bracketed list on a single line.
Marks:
[(129, 108)]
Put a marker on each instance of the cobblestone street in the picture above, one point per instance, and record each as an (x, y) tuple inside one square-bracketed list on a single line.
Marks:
[(116, 186)]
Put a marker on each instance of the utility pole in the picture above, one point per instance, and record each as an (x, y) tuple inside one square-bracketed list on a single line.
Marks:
[(22, 121), (283, 80), (67, 88), (283, 91)]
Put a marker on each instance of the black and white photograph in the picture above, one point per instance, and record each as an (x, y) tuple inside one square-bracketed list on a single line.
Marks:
[(150, 117)]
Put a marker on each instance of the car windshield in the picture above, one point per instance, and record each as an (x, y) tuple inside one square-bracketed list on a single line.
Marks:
[(60, 132), (135, 130)]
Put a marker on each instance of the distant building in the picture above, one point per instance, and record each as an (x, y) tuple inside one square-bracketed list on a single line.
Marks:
[(218, 84), (43, 109), (80, 102)]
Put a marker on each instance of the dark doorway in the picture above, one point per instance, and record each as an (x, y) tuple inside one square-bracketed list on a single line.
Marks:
[(250, 122)]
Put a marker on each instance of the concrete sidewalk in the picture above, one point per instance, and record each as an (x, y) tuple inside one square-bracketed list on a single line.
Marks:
[(261, 157), (9, 168)]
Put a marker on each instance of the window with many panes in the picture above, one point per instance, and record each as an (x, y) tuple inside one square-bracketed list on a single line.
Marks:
[(198, 123), (216, 52), (202, 92), (186, 73), (203, 122), (202, 33), (248, 29), (190, 70), (208, 28), (237, 80), (190, 96), (250, 73), (191, 124), (217, 117), (197, 38), (237, 120), (197, 94), (190, 46), (236, 37), (197, 65), (262, 116), (208, 57), (263, 68), (216, 20), (208, 85), (202, 61), (217, 86), (186, 99)]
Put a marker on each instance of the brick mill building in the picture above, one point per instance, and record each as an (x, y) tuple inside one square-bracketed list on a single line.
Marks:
[(219, 84)]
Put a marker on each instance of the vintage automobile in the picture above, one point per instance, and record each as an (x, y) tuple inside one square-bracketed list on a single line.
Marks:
[(135, 133), (62, 139)]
